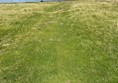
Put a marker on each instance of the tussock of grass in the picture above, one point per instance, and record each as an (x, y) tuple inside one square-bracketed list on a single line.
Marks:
[(67, 42)]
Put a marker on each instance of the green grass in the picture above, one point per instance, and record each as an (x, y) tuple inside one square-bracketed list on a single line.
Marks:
[(68, 42)]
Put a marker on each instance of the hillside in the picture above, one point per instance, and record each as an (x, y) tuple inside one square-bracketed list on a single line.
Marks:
[(67, 42)]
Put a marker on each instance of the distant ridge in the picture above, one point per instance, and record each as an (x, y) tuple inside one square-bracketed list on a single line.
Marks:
[(11, 1)]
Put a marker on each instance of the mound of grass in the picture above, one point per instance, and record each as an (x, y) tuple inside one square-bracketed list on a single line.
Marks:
[(67, 42)]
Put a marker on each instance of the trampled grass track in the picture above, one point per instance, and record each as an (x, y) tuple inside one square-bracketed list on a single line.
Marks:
[(68, 42)]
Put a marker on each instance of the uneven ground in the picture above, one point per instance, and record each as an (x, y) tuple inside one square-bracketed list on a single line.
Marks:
[(68, 42)]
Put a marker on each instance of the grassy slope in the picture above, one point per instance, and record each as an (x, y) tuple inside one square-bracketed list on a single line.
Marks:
[(70, 42)]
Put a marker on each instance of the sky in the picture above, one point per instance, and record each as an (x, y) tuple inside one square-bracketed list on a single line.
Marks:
[(19, 0)]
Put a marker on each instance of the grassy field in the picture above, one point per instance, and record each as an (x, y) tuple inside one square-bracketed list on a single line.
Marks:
[(67, 42)]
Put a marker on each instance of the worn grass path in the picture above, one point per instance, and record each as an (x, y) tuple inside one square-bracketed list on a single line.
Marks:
[(69, 42)]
